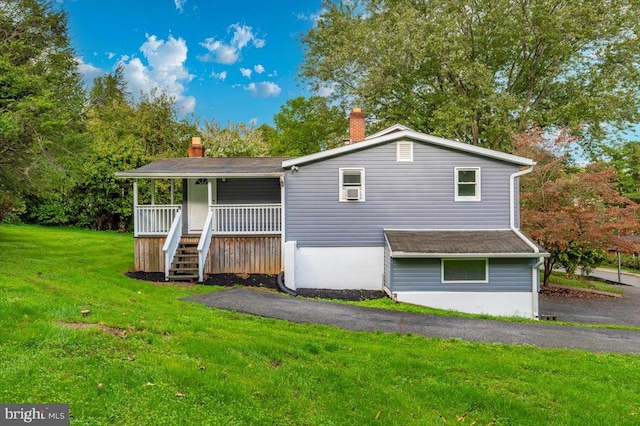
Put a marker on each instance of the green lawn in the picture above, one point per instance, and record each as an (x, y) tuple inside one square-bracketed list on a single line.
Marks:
[(561, 278), (141, 356), (614, 268)]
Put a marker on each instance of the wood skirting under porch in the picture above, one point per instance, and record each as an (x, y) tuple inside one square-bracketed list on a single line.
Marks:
[(227, 254)]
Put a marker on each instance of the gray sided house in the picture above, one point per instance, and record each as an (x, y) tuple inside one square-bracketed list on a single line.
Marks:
[(427, 220)]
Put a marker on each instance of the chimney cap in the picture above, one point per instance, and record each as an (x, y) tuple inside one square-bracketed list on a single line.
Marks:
[(195, 140), (357, 109)]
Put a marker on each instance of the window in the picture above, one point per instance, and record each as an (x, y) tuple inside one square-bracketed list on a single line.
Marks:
[(404, 151), (465, 270), (351, 184), (467, 184)]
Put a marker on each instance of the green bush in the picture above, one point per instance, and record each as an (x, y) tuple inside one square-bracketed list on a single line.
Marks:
[(632, 262)]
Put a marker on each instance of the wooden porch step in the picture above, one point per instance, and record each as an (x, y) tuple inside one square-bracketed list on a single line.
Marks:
[(183, 269), (184, 266), (189, 278), (178, 263)]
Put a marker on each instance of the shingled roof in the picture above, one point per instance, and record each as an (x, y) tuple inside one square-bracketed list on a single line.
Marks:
[(460, 244), (208, 167)]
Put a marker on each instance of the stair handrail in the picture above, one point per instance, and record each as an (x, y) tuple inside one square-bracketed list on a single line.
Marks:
[(172, 242), (204, 243)]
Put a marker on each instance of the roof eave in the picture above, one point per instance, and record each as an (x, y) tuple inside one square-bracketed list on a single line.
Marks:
[(410, 134), (418, 255), (183, 175)]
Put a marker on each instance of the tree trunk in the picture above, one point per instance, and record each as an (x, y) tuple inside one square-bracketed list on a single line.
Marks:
[(548, 267)]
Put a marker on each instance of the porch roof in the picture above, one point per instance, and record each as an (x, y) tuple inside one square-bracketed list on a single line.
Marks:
[(209, 167), (503, 243)]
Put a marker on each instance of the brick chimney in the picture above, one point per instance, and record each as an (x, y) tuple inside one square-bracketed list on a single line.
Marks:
[(356, 125), (196, 149)]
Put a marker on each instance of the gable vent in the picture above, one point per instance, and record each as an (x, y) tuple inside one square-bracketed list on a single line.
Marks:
[(405, 151)]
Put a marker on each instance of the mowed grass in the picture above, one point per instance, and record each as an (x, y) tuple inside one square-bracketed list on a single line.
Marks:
[(560, 278), (143, 357)]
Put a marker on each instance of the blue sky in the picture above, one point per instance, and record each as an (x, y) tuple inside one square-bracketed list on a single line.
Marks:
[(224, 60)]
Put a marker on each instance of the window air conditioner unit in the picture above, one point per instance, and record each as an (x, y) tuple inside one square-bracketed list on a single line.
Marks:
[(352, 193)]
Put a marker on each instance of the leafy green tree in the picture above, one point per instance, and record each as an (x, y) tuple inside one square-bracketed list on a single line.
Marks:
[(123, 135), (481, 70), (41, 97), (574, 213), (626, 160), (235, 140), (126, 135), (308, 125)]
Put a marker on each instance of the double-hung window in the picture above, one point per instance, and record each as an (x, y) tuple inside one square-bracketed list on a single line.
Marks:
[(467, 184), (352, 184), (465, 270)]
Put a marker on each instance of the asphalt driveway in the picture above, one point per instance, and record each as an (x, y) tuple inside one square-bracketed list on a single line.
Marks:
[(617, 311), (270, 304)]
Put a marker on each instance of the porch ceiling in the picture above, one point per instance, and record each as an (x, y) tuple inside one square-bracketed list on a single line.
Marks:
[(209, 167), (458, 243)]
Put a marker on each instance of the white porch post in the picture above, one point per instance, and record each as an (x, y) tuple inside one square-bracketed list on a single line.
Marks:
[(209, 193), (153, 192), (135, 207), (173, 189), (135, 193)]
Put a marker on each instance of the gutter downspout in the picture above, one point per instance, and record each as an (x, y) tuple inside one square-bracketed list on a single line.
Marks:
[(515, 230)]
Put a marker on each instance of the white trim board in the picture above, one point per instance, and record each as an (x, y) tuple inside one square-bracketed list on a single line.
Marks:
[(409, 135)]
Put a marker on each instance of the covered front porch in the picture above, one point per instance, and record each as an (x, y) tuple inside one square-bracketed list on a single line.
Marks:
[(215, 215)]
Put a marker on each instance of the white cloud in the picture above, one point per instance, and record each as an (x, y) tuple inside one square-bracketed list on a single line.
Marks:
[(258, 68), (273, 74), (88, 71), (222, 75), (229, 53), (165, 70), (110, 55), (263, 89), (180, 5), (246, 72), (312, 17), (219, 52)]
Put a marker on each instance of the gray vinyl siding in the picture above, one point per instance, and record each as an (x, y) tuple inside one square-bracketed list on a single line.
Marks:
[(248, 191), (505, 275), (405, 195)]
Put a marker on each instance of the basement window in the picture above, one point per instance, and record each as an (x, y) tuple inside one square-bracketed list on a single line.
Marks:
[(465, 270), (351, 185)]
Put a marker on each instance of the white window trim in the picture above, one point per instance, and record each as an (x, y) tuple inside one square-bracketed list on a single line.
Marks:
[(398, 149), (478, 195), (341, 191), (486, 271)]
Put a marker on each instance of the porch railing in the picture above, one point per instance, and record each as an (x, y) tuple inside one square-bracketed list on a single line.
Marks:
[(171, 243), (154, 219), (253, 219), (227, 219), (203, 245)]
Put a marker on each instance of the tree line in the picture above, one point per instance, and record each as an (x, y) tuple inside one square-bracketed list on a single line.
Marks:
[(533, 77)]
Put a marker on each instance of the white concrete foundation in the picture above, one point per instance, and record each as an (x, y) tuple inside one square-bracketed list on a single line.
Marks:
[(338, 268), (499, 304)]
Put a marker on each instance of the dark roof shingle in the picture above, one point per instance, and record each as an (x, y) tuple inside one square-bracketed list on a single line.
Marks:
[(457, 242), (205, 167)]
